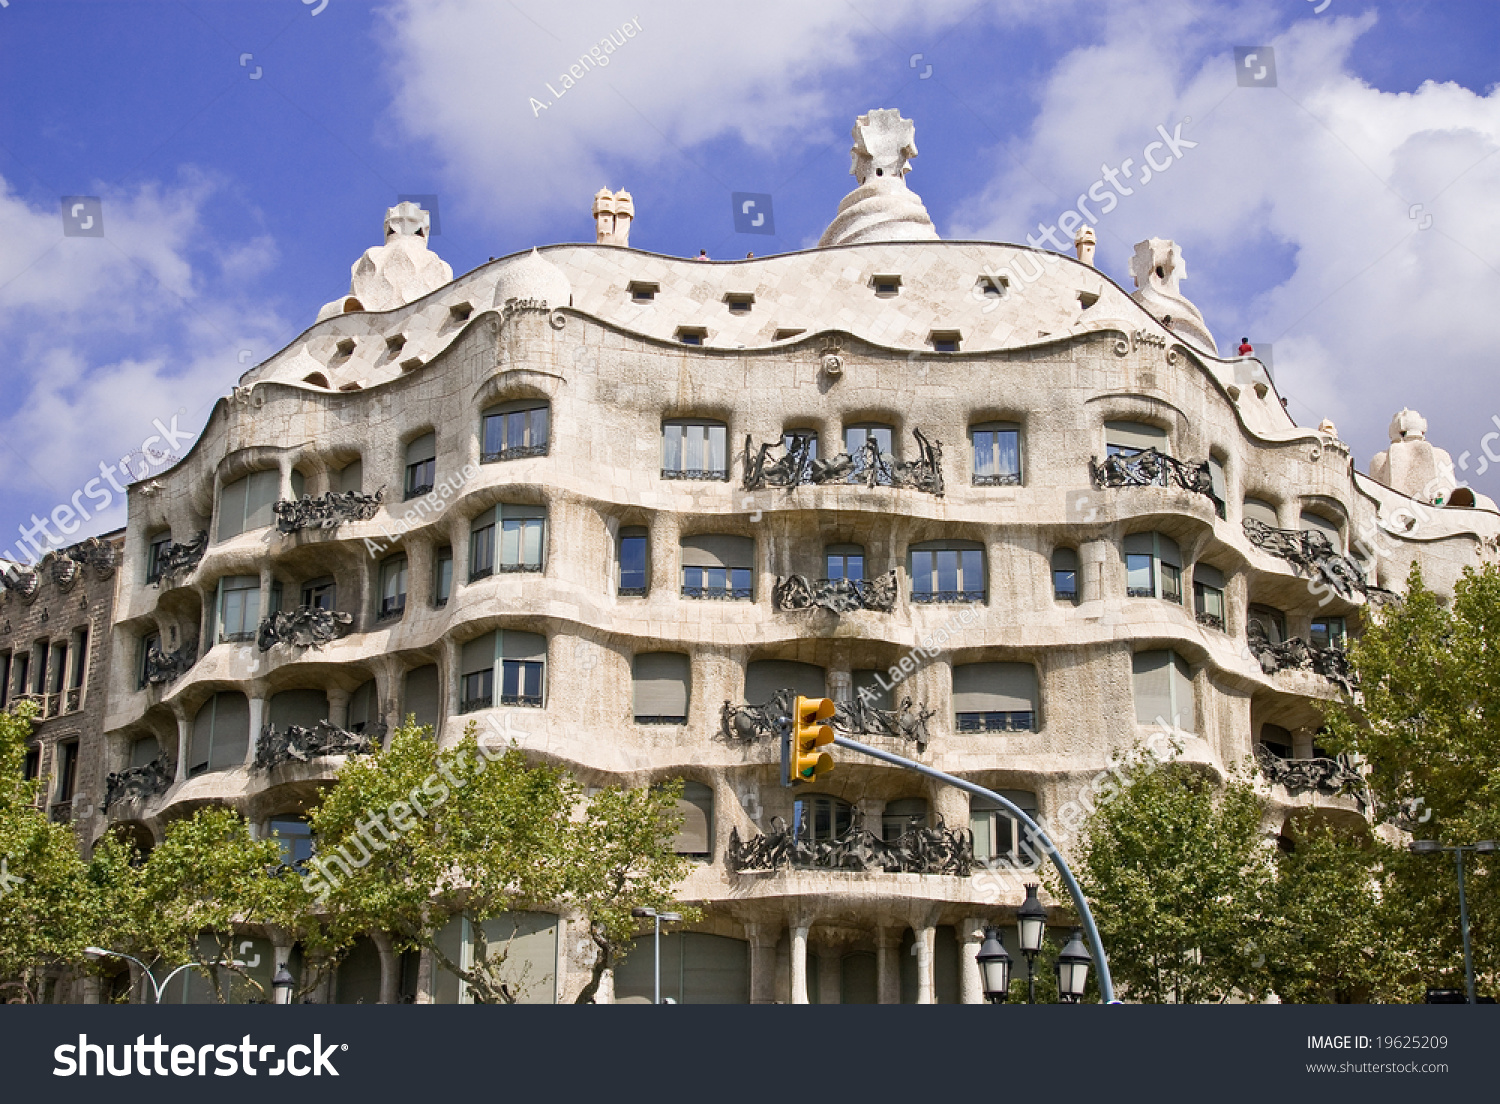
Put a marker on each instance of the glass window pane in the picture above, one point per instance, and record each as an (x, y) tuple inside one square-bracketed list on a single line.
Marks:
[(510, 542), (973, 572), (692, 452), (1171, 583), (740, 579), (672, 448), (714, 453), (493, 426), (531, 545), (984, 452), (1138, 574), (947, 570), (541, 421), (633, 562), (921, 572)]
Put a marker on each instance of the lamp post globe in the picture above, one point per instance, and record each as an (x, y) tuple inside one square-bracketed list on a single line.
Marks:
[(1073, 969), (1031, 922), (1424, 847), (994, 967), (283, 984)]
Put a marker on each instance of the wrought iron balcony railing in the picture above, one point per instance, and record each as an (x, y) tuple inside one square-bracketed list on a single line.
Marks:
[(296, 744), (631, 592), (328, 512), (136, 783), (710, 475), (178, 560), (1312, 553), (530, 701), (792, 463), (858, 717), (469, 705), (518, 452), (164, 667), (719, 593), (1334, 777), (998, 479), (1013, 721), (519, 568), (1212, 620), (303, 627), (839, 595), (1295, 654), (918, 850), (949, 597), (1150, 468)]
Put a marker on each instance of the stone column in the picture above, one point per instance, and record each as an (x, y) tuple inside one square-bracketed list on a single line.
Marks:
[(426, 968), (923, 947), (284, 466), (1093, 562), (184, 744), (970, 939), (841, 685), (887, 967), (451, 678), (799, 930), (267, 579), (338, 707), (390, 967), (762, 938), (458, 539), (830, 975), (257, 719)]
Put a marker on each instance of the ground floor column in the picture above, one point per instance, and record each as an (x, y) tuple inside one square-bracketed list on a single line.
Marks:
[(970, 939), (799, 961), (762, 938), (887, 968), (925, 942)]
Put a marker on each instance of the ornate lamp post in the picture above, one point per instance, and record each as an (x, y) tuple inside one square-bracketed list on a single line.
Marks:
[(1073, 969), (283, 984), (657, 918), (100, 952), (1031, 929), (1483, 847), (994, 967)]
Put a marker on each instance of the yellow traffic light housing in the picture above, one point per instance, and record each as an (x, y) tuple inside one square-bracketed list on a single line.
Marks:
[(806, 763)]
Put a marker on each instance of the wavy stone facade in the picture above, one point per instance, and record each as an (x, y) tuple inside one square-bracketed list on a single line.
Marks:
[(639, 360)]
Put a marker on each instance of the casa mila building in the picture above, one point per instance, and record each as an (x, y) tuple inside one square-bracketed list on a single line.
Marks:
[(613, 506)]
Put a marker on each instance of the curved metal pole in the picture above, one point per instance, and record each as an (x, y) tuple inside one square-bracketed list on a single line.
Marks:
[(168, 980), (1106, 983)]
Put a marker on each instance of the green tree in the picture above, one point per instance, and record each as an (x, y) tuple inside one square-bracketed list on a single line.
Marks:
[(1180, 883), (1426, 726)]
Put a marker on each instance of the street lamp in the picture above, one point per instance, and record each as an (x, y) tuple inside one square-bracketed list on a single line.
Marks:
[(1073, 969), (657, 917), (1483, 847), (100, 952), (994, 967), (283, 984), (1031, 929)]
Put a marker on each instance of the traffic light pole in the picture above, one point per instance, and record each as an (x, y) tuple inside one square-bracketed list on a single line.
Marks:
[(1106, 983)]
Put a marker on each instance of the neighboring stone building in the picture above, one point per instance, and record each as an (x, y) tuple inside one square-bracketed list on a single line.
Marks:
[(609, 503)]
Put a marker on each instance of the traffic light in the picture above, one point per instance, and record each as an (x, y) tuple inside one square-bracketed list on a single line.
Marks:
[(806, 763)]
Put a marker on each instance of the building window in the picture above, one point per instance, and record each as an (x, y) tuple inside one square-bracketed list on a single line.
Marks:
[(1328, 632), (21, 665), (320, 593), (1257, 509), (421, 465), (642, 292), (1065, 575), (1208, 596), (1153, 567), (635, 571), (393, 588), (515, 430), (521, 658), (294, 836), (999, 835), (947, 571), (661, 684), (421, 698), (872, 688), (1310, 522), (442, 576), (144, 751), (692, 335), (247, 503), (901, 816), (997, 454), (764, 678), (364, 707), (870, 445), (155, 551), (739, 302), (696, 836), (1163, 690), (149, 641), (1218, 485), (1276, 740), (944, 341), (821, 818), (844, 561), (32, 768), (995, 697), (238, 608), (990, 287), (694, 449), (1270, 622), (887, 285), (221, 734), (5, 661), (718, 566), (1133, 438), (67, 772), (351, 478), (303, 708)]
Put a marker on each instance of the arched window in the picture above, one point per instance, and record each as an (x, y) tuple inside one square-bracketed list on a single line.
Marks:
[(1328, 632), (634, 562), (221, 734), (509, 538), (694, 448), (1208, 596), (1276, 740), (294, 835), (1133, 438), (522, 661), (421, 465), (764, 677), (144, 751), (844, 561), (392, 588), (998, 834), (995, 697), (246, 503), (1271, 623), (718, 566), (238, 608), (304, 708), (996, 448), (696, 836), (364, 708), (662, 683), (860, 440), (1311, 522), (1258, 509), (515, 430), (821, 818), (156, 549), (1153, 567), (1065, 575), (901, 816), (1163, 690)]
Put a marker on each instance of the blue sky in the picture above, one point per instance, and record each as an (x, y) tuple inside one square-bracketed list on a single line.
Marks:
[(244, 154)]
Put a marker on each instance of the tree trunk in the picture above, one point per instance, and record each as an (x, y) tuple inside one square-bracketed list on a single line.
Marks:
[(603, 961)]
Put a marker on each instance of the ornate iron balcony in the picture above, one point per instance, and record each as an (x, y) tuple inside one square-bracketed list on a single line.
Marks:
[(299, 745), (531, 701), (1015, 721), (1295, 654), (916, 851), (796, 466), (1334, 777), (180, 559), (518, 568), (744, 721), (838, 595), (720, 594), (719, 475), (660, 720), (391, 611), (469, 705), (1151, 468), (139, 783), (631, 592), (935, 597), (164, 667), (520, 452), (1312, 553), (328, 512), (303, 627), (1000, 479), (417, 492), (1212, 620)]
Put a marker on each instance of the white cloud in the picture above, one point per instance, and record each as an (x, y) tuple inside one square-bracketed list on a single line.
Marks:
[(1294, 210)]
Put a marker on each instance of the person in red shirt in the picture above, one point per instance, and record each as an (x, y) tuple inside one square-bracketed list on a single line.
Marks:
[(1246, 349)]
